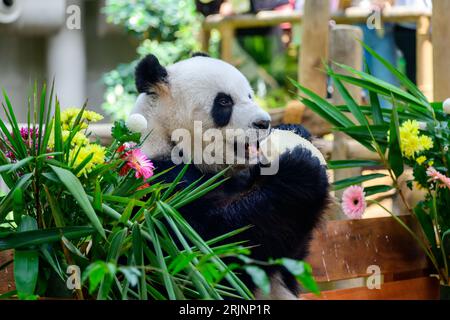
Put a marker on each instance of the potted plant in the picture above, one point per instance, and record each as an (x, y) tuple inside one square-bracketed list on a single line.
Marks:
[(88, 221), (410, 132)]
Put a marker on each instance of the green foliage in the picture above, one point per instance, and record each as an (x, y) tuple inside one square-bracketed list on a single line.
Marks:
[(410, 132), (164, 28), (124, 233)]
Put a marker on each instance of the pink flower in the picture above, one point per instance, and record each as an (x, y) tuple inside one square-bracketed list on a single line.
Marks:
[(138, 161), (436, 176), (354, 202)]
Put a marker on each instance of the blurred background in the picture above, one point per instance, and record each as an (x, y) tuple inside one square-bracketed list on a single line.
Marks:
[(91, 47)]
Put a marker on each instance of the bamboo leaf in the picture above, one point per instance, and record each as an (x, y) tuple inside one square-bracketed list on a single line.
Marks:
[(26, 263), (18, 240), (345, 164), (341, 184), (395, 153), (75, 187)]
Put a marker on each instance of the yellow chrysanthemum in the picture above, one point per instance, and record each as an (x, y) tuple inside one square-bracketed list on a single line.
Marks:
[(78, 140), (411, 126), (411, 141), (421, 160), (82, 153), (69, 115)]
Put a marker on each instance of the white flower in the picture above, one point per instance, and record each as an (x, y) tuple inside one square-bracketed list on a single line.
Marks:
[(136, 122), (446, 106), (422, 125)]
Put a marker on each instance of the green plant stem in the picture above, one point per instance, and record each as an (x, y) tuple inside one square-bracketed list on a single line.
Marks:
[(440, 244)]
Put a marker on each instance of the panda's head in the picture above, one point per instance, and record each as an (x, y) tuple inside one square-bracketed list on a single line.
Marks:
[(198, 89)]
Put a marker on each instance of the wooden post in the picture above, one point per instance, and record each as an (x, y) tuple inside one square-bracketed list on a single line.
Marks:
[(441, 49), (227, 38), (314, 51), (205, 35), (345, 49), (424, 57)]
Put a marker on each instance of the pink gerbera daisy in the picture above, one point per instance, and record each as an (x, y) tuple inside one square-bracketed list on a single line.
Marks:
[(354, 202), (138, 161), (436, 176)]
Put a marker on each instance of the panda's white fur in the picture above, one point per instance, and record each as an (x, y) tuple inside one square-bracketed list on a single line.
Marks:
[(188, 94)]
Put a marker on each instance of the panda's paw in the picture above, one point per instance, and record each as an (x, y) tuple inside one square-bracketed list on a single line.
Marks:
[(284, 141)]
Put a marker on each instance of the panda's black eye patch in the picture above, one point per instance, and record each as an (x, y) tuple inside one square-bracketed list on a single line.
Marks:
[(222, 109), (250, 96), (224, 100)]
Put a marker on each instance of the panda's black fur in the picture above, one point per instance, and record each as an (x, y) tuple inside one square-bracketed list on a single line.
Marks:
[(282, 209)]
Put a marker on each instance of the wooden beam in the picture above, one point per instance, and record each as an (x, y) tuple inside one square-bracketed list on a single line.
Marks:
[(273, 18), (441, 49), (424, 57)]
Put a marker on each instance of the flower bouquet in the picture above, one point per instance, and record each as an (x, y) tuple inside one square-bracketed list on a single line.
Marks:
[(410, 132), (89, 221)]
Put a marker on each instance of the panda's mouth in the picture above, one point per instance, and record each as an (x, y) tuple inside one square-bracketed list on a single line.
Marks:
[(248, 151)]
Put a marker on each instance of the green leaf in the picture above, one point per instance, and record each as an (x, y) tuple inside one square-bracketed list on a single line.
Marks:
[(341, 184), (302, 272), (377, 189), (169, 286), (395, 153), (121, 133), (351, 103), (76, 189), (18, 240), (345, 164), (260, 278), (426, 224), (26, 262), (116, 245), (5, 203), (377, 114), (399, 75), (58, 131), (327, 107)]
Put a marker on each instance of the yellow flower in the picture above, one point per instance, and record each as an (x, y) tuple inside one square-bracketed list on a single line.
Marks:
[(411, 141), (78, 140), (81, 153), (420, 160), (411, 126), (69, 116)]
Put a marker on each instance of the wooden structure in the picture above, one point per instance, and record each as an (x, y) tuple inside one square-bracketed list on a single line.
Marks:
[(227, 26), (6, 272), (441, 44), (343, 250)]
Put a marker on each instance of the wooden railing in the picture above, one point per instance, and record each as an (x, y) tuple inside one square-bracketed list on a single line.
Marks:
[(227, 26)]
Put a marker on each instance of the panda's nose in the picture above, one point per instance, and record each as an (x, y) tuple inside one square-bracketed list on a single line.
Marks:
[(261, 124)]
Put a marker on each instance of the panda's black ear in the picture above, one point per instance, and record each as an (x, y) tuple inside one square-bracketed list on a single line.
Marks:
[(200, 54), (149, 73)]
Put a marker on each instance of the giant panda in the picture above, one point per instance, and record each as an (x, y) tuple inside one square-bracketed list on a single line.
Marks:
[(282, 208)]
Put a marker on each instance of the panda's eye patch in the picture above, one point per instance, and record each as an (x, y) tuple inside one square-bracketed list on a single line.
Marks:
[(224, 100), (250, 96)]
